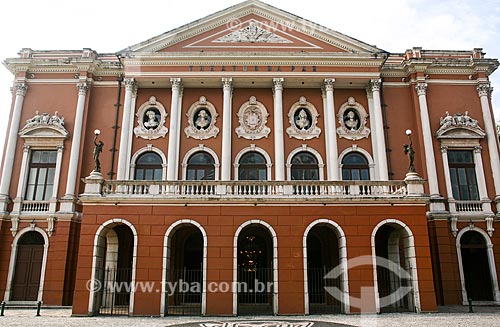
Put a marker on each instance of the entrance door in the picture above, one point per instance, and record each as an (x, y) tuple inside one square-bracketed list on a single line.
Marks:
[(28, 267), (476, 267), (322, 257), (255, 271)]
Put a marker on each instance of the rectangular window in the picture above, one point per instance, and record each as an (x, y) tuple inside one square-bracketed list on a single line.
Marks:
[(463, 175), (41, 175)]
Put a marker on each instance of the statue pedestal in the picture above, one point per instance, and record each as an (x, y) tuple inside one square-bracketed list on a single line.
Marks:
[(414, 184), (93, 184)]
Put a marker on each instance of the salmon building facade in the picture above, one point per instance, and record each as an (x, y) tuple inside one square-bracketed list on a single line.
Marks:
[(250, 162)]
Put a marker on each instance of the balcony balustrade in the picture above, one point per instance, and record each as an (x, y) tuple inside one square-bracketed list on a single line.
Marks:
[(98, 188)]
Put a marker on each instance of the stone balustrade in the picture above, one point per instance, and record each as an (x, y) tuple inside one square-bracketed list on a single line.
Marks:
[(266, 190)]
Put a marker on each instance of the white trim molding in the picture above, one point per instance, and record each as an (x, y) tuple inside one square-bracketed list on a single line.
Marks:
[(275, 262), (305, 148), (252, 148), (13, 257), (200, 148), (98, 261), (491, 262), (342, 244), (148, 148), (166, 263), (410, 254)]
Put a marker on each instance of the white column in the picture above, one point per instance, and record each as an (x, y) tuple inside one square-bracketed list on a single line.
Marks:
[(21, 186), (227, 90), (125, 130), (174, 121), (57, 177), (374, 130), (332, 156), (430, 161), (10, 151), (447, 178), (75, 143), (378, 131), (178, 135), (131, 132), (491, 137), (279, 147), (481, 181)]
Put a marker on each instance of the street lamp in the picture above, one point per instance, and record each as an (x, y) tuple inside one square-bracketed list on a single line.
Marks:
[(97, 151), (408, 149)]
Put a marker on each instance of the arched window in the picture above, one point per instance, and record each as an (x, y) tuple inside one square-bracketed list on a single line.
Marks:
[(148, 167), (201, 166), (355, 167), (305, 167), (252, 167)]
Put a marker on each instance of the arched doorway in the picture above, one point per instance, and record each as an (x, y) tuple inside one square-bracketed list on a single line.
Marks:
[(476, 269), (255, 271), (114, 261), (28, 267), (323, 255), (395, 268), (185, 270)]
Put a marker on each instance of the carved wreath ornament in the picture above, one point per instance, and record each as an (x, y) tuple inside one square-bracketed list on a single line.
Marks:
[(253, 118)]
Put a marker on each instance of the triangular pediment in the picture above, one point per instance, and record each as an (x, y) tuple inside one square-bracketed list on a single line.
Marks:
[(253, 26)]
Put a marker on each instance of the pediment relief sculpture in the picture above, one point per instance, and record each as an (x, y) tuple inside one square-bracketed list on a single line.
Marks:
[(253, 33), (44, 125), (202, 117), (459, 126), (252, 117), (352, 120), (303, 118), (151, 117)]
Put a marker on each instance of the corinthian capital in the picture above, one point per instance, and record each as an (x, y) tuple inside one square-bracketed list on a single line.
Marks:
[(421, 88), (375, 85), (329, 83), (483, 89), (21, 89), (129, 84), (82, 88), (227, 83), (176, 83), (278, 83)]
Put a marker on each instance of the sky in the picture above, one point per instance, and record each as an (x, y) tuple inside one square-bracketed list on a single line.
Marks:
[(110, 26)]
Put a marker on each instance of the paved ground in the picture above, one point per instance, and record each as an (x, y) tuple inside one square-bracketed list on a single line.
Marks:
[(448, 316)]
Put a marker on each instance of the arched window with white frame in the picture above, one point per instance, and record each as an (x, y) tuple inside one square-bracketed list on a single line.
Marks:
[(148, 163)]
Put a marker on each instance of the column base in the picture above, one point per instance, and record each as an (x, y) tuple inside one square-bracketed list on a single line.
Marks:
[(437, 204), (68, 204), (4, 204)]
